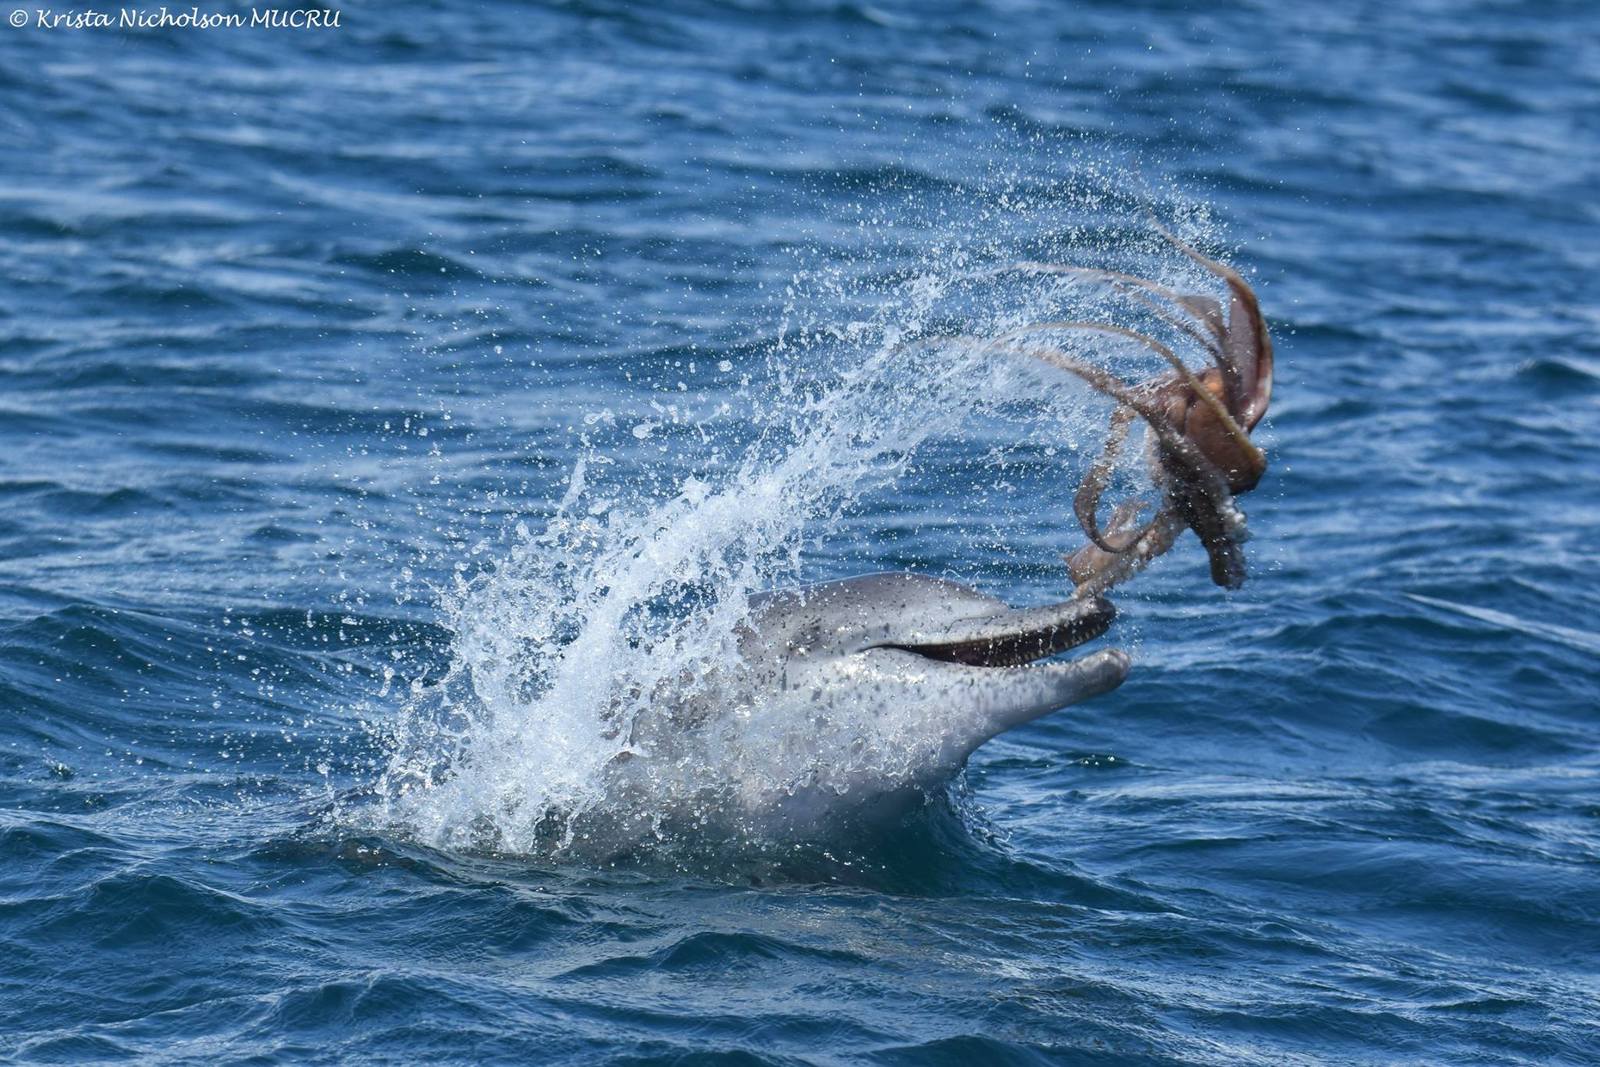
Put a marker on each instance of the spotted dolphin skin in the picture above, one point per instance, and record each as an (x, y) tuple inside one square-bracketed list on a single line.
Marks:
[(854, 700), (968, 658), (896, 639)]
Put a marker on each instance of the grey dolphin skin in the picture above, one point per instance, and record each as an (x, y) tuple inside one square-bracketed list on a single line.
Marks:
[(889, 638), (851, 702), (909, 675)]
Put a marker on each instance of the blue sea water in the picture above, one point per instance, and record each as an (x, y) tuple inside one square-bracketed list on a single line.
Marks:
[(307, 338)]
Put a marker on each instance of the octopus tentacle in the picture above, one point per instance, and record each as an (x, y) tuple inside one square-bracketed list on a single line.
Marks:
[(1191, 460), (1093, 575), (1197, 491), (1189, 378), (1086, 502), (1248, 344), (1213, 348), (1199, 422), (1203, 308)]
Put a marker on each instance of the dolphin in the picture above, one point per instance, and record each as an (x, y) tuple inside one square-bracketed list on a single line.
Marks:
[(896, 637), (853, 700)]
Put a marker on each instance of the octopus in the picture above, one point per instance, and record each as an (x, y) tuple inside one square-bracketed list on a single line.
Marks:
[(1201, 455)]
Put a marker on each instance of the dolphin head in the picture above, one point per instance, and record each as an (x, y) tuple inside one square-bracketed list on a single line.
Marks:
[(973, 665), (851, 702)]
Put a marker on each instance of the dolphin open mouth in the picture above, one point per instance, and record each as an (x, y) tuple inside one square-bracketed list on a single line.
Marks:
[(1014, 638), (929, 657)]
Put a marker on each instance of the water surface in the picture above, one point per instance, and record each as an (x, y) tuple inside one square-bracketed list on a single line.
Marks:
[(296, 328)]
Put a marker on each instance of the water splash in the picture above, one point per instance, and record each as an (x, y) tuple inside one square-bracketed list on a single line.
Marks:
[(559, 727)]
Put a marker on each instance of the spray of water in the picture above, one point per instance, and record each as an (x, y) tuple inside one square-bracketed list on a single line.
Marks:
[(593, 703)]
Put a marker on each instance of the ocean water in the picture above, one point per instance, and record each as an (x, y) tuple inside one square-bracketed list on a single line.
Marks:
[(373, 398)]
